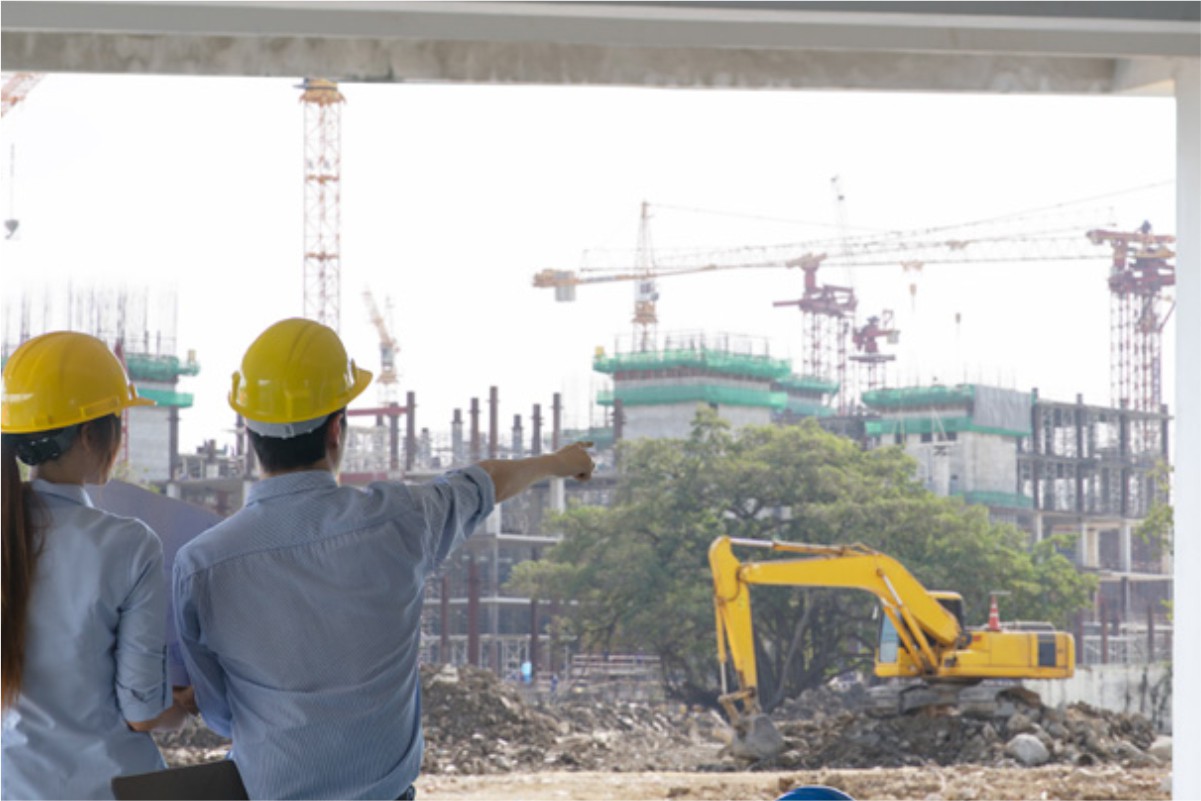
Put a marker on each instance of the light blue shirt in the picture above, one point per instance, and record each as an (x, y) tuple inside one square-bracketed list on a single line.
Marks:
[(299, 621), (94, 654)]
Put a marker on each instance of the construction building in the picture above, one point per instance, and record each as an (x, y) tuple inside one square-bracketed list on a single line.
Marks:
[(1049, 468), (656, 390), (141, 331)]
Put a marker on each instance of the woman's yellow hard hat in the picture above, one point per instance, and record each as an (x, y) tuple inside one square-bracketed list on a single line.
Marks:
[(61, 379), (293, 376)]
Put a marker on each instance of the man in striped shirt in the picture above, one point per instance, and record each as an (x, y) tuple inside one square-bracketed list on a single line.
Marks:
[(299, 615)]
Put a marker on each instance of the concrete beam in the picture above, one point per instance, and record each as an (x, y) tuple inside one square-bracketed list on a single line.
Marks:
[(780, 45), (350, 60)]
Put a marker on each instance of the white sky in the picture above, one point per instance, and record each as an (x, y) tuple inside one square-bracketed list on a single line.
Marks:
[(453, 196)]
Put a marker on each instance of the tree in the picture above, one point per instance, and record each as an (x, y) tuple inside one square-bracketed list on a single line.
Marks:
[(636, 574), (1157, 527)]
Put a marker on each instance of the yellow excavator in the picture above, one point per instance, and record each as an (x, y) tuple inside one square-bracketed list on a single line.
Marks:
[(922, 634)]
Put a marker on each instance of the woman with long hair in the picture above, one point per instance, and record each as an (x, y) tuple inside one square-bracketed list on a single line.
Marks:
[(84, 676)]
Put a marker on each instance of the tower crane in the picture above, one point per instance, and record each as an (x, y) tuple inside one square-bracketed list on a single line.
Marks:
[(388, 348), (831, 309), (15, 88), (322, 200)]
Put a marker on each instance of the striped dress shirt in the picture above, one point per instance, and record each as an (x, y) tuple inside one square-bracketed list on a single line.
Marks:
[(299, 622)]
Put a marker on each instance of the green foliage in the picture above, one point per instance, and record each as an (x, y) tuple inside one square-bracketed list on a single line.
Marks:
[(636, 574), (1157, 527)]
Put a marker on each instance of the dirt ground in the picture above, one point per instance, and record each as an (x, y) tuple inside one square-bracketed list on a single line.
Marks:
[(927, 784), (485, 739)]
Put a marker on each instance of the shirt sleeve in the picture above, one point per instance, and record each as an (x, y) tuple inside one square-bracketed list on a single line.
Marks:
[(141, 679), (455, 504), (207, 677)]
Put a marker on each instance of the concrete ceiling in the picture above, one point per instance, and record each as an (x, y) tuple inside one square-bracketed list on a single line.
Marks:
[(1082, 47)]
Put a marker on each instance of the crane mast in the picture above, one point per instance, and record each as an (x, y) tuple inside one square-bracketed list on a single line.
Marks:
[(388, 348), (322, 200), (1139, 308)]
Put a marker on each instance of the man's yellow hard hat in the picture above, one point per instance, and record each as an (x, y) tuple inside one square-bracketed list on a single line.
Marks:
[(61, 379), (293, 376)]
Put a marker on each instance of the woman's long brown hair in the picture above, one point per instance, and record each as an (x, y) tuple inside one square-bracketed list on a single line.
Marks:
[(22, 542)]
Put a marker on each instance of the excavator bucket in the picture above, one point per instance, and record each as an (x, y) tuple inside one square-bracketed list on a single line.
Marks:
[(756, 738)]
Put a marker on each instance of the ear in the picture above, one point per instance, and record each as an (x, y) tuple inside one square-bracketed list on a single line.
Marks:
[(333, 432)]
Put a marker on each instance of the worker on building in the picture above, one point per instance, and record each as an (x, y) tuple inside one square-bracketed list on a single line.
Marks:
[(299, 615), (85, 598)]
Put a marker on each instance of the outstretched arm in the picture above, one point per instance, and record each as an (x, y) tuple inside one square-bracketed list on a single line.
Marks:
[(513, 476)]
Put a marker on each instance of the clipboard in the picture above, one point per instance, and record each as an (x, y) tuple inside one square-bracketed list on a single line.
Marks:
[(211, 781)]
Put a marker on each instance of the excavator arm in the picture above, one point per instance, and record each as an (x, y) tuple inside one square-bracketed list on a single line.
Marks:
[(925, 627)]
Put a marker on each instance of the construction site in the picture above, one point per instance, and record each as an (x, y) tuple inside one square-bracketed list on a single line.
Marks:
[(515, 707)]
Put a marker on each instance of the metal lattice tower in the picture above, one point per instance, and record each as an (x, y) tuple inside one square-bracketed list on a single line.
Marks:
[(873, 364), (645, 319), (322, 200), (828, 313), (1139, 309)]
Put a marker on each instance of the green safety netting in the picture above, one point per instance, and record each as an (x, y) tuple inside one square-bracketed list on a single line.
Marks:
[(920, 396), (146, 367), (933, 425), (807, 408), (165, 397), (808, 383), (599, 437), (1009, 500), (693, 393), (712, 360)]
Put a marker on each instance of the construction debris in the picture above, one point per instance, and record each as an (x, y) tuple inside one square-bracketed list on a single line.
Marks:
[(476, 724), (1019, 731)]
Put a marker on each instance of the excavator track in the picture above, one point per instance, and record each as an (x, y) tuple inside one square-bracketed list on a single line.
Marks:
[(993, 698)]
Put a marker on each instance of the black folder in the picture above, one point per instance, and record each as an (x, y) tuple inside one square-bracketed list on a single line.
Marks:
[(211, 781)]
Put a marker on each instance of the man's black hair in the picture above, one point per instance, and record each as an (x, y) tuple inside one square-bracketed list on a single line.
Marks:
[(277, 455)]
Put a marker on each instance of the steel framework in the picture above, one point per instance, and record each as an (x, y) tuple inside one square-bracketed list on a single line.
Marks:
[(322, 200), (828, 313), (1139, 308)]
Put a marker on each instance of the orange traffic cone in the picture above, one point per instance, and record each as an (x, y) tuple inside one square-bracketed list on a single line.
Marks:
[(994, 616)]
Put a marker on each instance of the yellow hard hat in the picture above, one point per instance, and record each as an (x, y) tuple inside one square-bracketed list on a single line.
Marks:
[(293, 376), (61, 379)]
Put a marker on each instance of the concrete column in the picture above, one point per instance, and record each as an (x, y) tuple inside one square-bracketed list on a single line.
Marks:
[(1126, 555), (556, 431), (475, 454), (1186, 695), (536, 433), (173, 443), (493, 423), (410, 430), (444, 654), (473, 613), (494, 608), (558, 492), (456, 438)]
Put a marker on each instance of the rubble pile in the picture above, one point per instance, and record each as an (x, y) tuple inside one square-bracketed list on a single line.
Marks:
[(822, 702), (475, 724), (1028, 734)]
